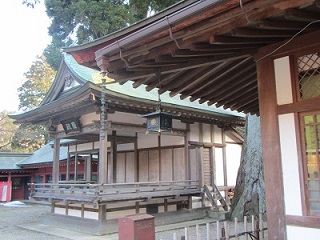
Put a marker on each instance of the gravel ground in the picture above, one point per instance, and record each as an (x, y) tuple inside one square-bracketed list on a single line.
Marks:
[(12, 218)]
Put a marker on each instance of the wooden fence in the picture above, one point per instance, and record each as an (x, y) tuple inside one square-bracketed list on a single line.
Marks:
[(227, 230)]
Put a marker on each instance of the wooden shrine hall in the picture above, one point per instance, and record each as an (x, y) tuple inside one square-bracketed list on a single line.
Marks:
[(119, 167)]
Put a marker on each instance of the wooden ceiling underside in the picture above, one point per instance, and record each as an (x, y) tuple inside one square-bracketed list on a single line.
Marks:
[(210, 57)]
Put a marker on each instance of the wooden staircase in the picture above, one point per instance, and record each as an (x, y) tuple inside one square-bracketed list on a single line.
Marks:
[(213, 195)]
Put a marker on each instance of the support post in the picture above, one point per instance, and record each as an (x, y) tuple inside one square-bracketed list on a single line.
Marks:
[(68, 167), (103, 153), (55, 163), (271, 149), (88, 168)]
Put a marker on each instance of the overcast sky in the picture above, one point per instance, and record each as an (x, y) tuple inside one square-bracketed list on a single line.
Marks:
[(24, 35)]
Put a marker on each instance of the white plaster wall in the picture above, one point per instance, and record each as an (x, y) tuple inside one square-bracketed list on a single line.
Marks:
[(194, 132), (290, 167), (233, 162), (219, 167), (217, 137), (300, 233), (206, 133), (283, 80), (178, 124)]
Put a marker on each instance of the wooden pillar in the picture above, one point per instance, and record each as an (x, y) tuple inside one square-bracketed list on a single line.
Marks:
[(186, 153), (76, 167), (136, 161), (224, 160), (88, 168), (102, 212), (113, 157), (68, 166), (271, 150), (9, 177), (159, 155), (103, 161), (55, 163)]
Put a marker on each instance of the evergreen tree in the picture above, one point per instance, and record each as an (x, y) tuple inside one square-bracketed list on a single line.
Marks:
[(7, 130), (38, 80)]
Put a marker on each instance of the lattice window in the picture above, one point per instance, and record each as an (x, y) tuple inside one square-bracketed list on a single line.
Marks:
[(311, 137), (309, 75)]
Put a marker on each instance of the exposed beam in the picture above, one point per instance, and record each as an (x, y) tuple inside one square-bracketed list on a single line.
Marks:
[(194, 78), (223, 89), (219, 75), (301, 15), (262, 33), (228, 40), (237, 90), (281, 25)]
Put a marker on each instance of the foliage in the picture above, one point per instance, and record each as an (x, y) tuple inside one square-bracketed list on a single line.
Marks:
[(38, 81), (7, 130), (29, 138), (39, 78)]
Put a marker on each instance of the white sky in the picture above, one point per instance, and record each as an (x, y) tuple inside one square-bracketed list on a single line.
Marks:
[(23, 36)]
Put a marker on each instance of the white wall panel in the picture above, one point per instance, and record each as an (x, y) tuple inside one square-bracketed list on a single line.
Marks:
[(283, 80), (300, 233), (290, 167)]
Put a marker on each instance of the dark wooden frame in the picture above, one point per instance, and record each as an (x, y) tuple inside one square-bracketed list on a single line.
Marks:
[(270, 111)]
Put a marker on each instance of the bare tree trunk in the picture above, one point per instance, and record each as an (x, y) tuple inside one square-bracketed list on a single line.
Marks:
[(249, 197)]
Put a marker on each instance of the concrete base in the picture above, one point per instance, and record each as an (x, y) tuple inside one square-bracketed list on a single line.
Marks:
[(96, 227)]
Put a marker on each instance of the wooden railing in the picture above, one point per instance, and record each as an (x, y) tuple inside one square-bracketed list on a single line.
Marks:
[(102, 193)]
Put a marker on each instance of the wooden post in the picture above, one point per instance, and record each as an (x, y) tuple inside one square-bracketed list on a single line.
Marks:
[(75, 178), (113, 156), (66, 210), (218, 230), (208, 231), (165, 205), (102, 212), (103, 151), (82, 210), (137, 207), (55, 163), (225, 167), (271, 149), (261, 227), (136, 160), (175, 236), (236, 230), (88, 167), (245, 226), (227, 229), (52, 206), (253, 225), (198, 232), (186, 233), (68, 167)]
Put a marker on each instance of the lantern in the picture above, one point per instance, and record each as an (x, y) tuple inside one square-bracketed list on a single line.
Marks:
[(159, 121)]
